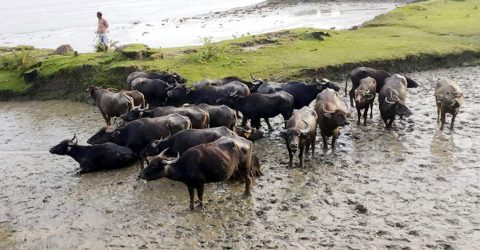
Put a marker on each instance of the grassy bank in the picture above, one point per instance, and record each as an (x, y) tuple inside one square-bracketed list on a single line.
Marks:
[(416, 36)]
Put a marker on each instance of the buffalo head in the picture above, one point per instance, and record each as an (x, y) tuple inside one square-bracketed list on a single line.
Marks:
[(104, 135), (64, 146), (178, 93), (134, 114), (338, 116), (293, 136), (395, 107), (363, 97), (158, 168)]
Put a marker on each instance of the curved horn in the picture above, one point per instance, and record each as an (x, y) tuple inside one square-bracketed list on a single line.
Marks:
[(155, 143), (172, 161), (326, 110), (74, 140), (387, 101), (163, 153), (254, 80), (305, 130)]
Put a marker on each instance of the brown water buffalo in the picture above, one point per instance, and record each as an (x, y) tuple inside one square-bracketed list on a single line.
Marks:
[(211, 162), (392, 99), (332, 115), (300, 133), (220, 115), (198, 117), (109, 103), (449, 98), (364, 97), (359, 73), (137, 96)]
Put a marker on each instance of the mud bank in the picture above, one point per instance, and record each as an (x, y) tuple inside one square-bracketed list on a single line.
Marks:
[(409, 188)]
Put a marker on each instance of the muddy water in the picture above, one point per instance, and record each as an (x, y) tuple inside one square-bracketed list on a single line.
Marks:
[(410, 187)]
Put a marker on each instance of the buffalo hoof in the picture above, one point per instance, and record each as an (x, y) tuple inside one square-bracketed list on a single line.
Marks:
[(247, 194)]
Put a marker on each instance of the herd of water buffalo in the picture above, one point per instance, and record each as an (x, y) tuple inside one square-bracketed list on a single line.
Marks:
[(190, 134)]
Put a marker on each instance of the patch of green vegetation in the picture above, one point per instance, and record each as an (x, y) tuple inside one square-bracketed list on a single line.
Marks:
[(435, 27), (12, 81)]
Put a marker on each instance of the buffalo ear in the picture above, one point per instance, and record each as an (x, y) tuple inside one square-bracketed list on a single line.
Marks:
[(115, 133), (327, 115), (187, 91), (283, 134)]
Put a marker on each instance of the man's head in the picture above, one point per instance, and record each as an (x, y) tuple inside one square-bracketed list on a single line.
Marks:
[(99, 14)]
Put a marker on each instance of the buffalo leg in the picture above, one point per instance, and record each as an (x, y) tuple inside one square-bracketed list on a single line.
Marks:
[(244, 121), (352, 96), (307, 146), (106, 118), (444, 114), (300, 155), (255, 122), (141, 164), (324, 138), (453, 119), (334, 139), (270, 128), (365, 114), (390, 123), (290, 155), (312, 141), (191, 192), (359, 114), (200, 189), (248, 184), (438, 114)]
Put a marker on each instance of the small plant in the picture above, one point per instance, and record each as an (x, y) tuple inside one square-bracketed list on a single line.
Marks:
[(20, 61), (209, 52), (100, 47)]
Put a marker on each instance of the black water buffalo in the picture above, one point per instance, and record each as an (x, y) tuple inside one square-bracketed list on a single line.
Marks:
[(392, 99), (168, 77), (304, 94), (257, 106), (198, 117), (109, 103), (139, 133), (211, 162), (449, 98), (97, 157), (359, 73), (300, 133), (209, 95), (137, 96), (220, 115), (332, 115), (364, 97), (154, 90), (263, 86), (189, 138)]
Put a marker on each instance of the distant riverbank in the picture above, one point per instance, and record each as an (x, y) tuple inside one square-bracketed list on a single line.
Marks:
[(423, 35)]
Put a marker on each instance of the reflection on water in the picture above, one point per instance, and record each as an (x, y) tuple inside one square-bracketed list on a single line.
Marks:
[(412, 187)]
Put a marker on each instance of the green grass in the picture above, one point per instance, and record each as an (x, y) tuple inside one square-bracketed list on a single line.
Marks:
[(12, 81), (435, 27)]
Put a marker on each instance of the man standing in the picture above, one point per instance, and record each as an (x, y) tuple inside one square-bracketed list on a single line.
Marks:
[(102, 29)]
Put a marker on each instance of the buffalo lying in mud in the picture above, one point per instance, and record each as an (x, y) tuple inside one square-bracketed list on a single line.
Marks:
[(359, 73), (392, 99), (300, 133), (449, 98), (109, 103), (211, 162), (168, 77), (97, 157), (332, 115)]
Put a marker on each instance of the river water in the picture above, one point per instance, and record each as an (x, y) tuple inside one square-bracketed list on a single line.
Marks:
[(419, 186), (164, 23)]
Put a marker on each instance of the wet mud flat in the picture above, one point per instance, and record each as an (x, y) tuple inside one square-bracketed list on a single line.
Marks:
[(409, 188)]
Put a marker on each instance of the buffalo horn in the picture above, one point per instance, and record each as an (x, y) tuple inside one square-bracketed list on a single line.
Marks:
[(319, 81), (74, 140), (166, 162), (305, 130), (387, 101), (163, 153)]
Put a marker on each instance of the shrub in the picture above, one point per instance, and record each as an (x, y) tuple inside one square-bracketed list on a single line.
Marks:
[(209, 52), (20, 61), (100, 47)]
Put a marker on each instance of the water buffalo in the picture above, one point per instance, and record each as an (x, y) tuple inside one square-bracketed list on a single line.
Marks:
[(139, 133), (189, 138), (207, 82), (264, 87), (300, 133), (97, 157), (364, 97), (168, 77), (332, 115), (109, 103), (392, 99), (257, 106), (304, 94), (220, 115), (359, 73), (154, 90), (211, 162), (251, 134), (181, 94), (449, 98), (198, 117), (137, 96)]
